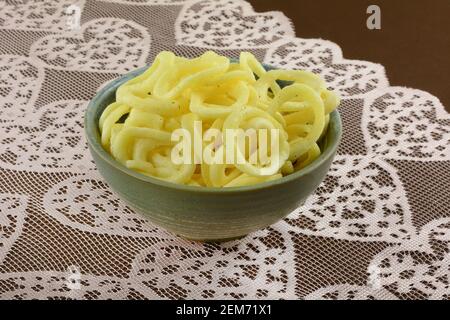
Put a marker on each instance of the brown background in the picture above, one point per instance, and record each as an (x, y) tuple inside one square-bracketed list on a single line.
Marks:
[(413, 43)]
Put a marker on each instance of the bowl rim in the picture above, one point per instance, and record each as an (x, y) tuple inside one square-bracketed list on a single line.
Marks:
[(93, 138)]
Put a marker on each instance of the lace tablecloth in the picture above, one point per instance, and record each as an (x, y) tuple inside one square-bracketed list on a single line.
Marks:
[(377, 227)]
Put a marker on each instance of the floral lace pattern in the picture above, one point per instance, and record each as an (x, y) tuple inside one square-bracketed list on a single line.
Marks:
[(20, 81), (325, 58), (11, 220), (229, 24), (149, 2), (361, 198), (419, 129), (47, 15), (364, 233), (103, 45), (87, 202), (48, 139)]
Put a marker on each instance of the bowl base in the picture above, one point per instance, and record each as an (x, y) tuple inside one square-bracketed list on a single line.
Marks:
[(212, 240)]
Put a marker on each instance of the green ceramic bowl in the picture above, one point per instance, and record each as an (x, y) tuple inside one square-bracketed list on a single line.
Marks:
[(206, 214)]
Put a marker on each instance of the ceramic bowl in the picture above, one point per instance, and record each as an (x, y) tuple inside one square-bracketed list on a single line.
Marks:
[(206, 214)]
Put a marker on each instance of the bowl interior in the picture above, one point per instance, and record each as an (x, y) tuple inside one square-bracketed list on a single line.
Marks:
[(328, 144)]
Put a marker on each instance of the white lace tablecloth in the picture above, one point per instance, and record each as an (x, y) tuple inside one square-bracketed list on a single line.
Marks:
[(377, 227)]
